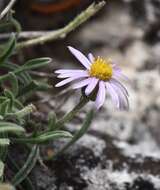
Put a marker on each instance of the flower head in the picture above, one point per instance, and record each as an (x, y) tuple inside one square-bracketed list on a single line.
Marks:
[(99, 76)]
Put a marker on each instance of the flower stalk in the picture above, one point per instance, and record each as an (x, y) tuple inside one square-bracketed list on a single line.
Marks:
[(69, 116)]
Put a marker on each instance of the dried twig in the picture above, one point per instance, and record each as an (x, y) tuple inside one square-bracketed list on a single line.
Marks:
[(7, 9), (61, 33)]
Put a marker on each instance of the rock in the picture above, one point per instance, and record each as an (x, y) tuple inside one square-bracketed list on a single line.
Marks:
[(97, 162), (146, 14)]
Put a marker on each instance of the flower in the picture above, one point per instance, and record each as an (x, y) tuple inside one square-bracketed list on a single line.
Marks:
[(100, 75)]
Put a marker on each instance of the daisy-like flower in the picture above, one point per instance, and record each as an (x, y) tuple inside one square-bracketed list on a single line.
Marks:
[(100, 75)]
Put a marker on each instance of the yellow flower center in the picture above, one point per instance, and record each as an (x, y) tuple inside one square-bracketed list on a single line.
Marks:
[(101, 69)]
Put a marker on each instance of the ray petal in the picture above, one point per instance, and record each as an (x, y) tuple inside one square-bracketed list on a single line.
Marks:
[(91, 86), (100, 95), (120, 85), (122, 96), (91, 57), (64, 71), (74, 74), (80, 56), (82, 83), (113, 94)]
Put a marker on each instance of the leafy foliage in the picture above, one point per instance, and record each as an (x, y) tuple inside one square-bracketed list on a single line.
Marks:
[(17, 86)]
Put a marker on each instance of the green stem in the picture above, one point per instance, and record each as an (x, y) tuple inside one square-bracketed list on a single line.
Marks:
[(69, 116), (16, 25), (61, 33), (4, 77)]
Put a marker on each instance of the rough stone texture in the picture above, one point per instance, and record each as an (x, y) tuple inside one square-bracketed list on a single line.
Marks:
[(121, 150)]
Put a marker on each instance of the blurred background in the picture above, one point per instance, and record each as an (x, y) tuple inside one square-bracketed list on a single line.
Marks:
[(128, 31)]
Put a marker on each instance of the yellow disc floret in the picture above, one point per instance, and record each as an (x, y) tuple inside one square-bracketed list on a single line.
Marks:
[(101, 69)]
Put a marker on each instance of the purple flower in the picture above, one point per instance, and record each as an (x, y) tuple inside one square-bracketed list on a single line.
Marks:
[(99, 76)]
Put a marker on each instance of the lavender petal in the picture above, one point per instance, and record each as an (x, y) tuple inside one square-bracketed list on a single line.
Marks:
[(74, 74), (80, 56), (118, 74), (123, 99), (65, 71), (91, 86), (66, 81), (113, 94), (82, 83), (100, 95), (91, 57), (120, 85)]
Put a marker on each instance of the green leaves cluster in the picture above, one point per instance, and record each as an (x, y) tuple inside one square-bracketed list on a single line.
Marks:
[(17, 85)]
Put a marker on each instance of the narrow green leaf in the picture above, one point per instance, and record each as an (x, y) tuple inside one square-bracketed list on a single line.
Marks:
[(27, 167), (15, 168), (28, 88), (4, 142), (32, 64), (52, 121), (16, 24), (32, 87), (37, 63), (7, 127), (1, 168), (47, 136), (2, 99), (8, 49), (10, 96), (24, 76), (14, 83), (1, 117), (4, 107), (81, 132), (18, 104), (3, 149)]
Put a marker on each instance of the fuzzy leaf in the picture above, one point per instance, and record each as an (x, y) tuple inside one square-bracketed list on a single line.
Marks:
[(2, 99), (28, 88), (24, 76), (52, 121), (81, 132), (35, 63), (27, 183), (4, 142), (7, 127), (4, 107), (8, 49), (1, 168), (14, 83), (11, 97), (45, 137), (27, 167), (4, 149)]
